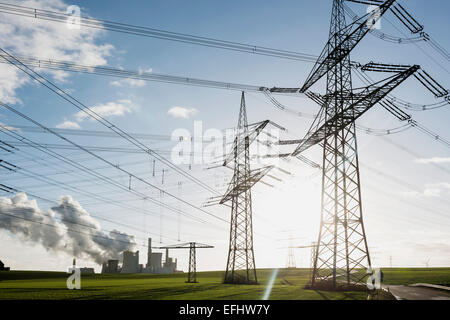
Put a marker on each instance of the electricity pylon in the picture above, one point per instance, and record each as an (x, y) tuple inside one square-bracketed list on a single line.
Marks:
[(241, 259), (192, 273), (342, 252), (290, 263), (342, 244)]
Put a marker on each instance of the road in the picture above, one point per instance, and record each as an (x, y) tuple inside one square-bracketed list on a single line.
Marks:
[(417, 293)]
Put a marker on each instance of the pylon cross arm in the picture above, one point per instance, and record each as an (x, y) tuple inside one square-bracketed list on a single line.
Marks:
[(246, 184), (327, 60), (372, 95)]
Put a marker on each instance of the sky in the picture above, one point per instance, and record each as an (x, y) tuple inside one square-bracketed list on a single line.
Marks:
[(405, 181)]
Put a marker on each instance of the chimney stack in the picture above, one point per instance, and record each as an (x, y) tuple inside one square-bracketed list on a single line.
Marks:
[(167, 255), (149, 253)]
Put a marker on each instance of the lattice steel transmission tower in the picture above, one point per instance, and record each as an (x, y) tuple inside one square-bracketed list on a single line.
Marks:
[(342, 252), (241, 258), (342, 246), (192, 273), (290, 262)]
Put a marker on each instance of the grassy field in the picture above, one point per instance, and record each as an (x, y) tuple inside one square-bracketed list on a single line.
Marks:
[(289, 284)]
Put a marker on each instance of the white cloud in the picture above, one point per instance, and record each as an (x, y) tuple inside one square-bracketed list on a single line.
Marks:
[(130, 82), (180, 112), (109, 109), (25, 36), (8, 127), (10, 81), (434, 160), (68, 125), (432, 190)]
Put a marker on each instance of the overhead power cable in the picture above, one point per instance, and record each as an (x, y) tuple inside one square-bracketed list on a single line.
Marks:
[(402, 116), (85, 109), (95, 148), (409, 22), (384, 132), (83, 168), (154, 33), (415, 154), (403, 103), (148, 76), (174, 79), (430, 133), (381, 35), (120, 73), (168, 35)]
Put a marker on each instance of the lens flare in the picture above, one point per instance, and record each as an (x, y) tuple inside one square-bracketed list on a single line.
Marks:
[(270, 284)]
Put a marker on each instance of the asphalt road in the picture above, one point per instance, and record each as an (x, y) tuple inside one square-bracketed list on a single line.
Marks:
[(418, 293)]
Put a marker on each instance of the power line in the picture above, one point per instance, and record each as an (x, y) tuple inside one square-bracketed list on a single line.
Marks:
[(407, 20), (411, 122), (430, 133), (149, 76), (62, 17), (146, 76), (413, 153), (155, 33), (82, 107), (383, 132), (87, 170)]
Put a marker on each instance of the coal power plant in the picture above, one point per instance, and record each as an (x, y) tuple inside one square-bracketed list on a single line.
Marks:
[(131, 264)]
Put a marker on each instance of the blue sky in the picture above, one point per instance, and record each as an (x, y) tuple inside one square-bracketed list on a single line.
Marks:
[(405, 208)]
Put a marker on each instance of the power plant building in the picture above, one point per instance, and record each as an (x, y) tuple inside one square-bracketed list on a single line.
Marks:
[(111, 266), (84, 270), (131, 263)]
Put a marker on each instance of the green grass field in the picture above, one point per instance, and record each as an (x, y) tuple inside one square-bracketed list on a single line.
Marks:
[(289, 284)]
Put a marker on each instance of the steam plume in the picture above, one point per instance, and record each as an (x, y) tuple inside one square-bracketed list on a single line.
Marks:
[(66, 227)]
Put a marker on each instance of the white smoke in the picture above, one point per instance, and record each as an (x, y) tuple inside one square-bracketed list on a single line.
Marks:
[(64, 228)]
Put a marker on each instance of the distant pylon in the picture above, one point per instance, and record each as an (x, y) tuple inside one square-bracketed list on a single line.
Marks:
[(241, 259), (192, 275), (290, 263), (192, 246)]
